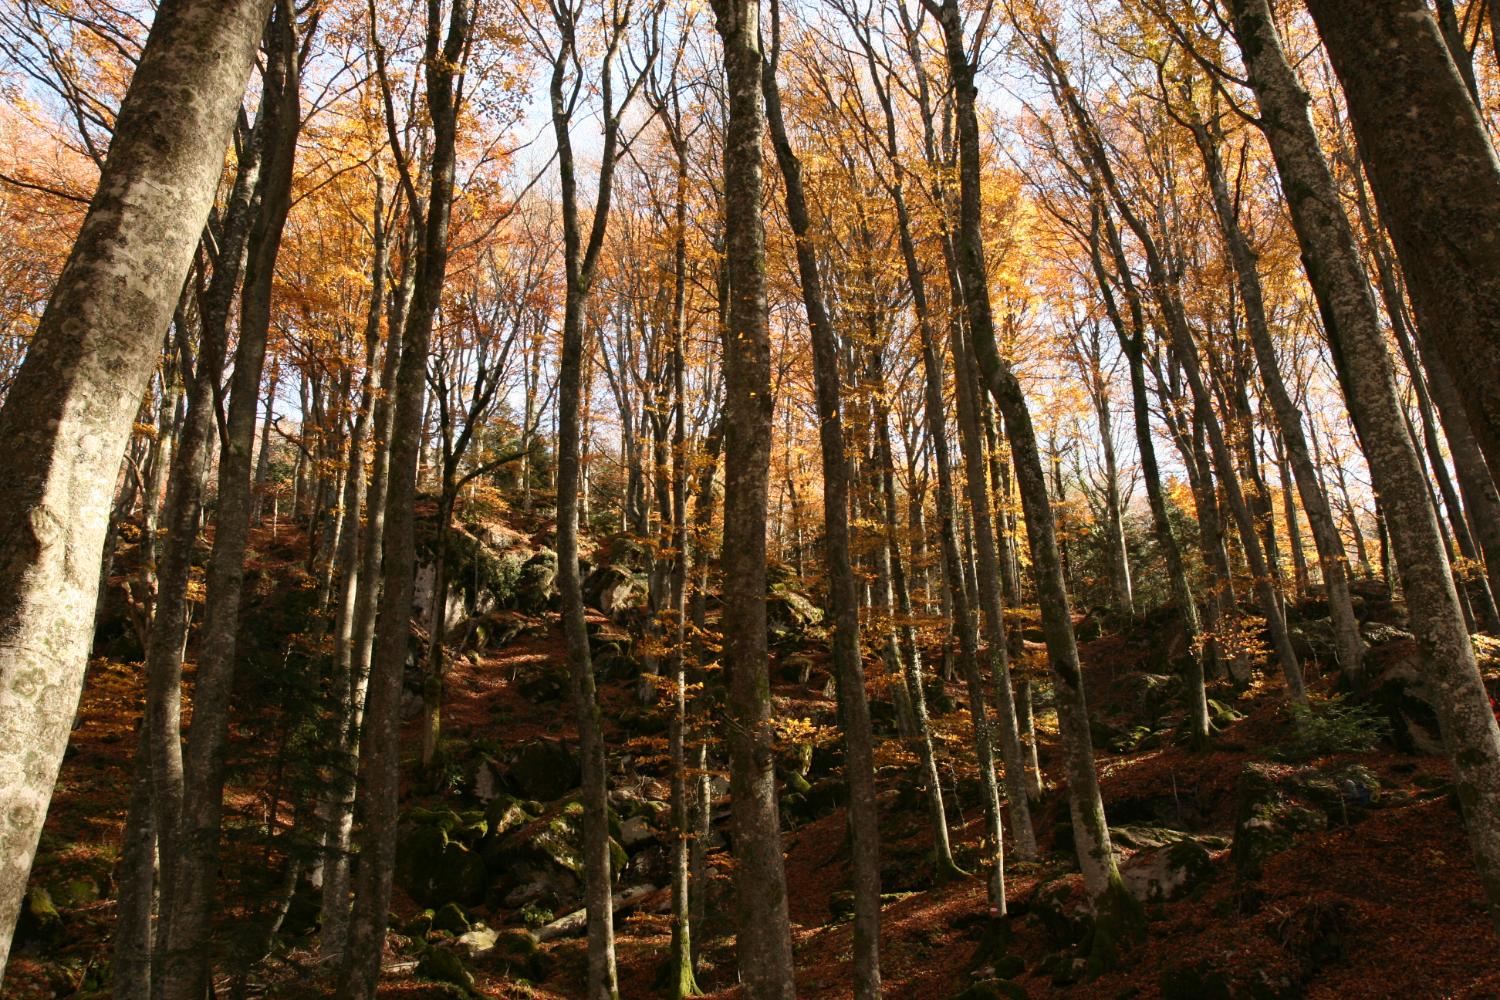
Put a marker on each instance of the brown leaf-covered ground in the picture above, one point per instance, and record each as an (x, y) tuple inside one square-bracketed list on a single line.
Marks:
[(1411, 918)]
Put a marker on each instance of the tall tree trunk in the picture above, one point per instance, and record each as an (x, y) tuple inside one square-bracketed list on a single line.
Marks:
[(1101, 875), (1168, 296), (186, 957), (1348, 645), (580, 254), (1343, 290), (854, 709), (764, 940), (1436, 179), (131, 954), (1301, 579), (380, 743), (183, 515), (68, 414), (987, 567), (1132, 343), (337, 806), (963, 599), (682, 981), (1114, 520), (703, 516), (1434, 385)]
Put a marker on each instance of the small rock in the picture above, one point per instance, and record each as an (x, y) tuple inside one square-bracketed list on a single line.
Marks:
[(450, 918), (446, 967), (75, 893), (477, 941), (636, 832)]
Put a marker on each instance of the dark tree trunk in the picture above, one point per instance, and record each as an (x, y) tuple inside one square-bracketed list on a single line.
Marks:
[(764, 940), (380, 743), (1436, 178), (186, 956), (1348, 644), (1096, 859), (1132, 343)]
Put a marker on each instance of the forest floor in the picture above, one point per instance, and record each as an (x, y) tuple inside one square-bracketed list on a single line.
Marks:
[(1381, 902)]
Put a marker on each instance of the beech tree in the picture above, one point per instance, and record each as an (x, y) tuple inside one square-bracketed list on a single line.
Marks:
[(67, 413)]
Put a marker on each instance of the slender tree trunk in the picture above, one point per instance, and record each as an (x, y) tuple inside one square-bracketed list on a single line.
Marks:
[(1434, 385), (131, 954), (989, 588), (68, 415), (263, 454), (1132, 344), (1114, 520), (682, 981), (1090, 831), (703, 515), (1349, 647), (432, 685), (579, 258), (183, 515), (1167, 294), (380, 743), (854, 709), (337, 806), (1300, 577), (186, 957)]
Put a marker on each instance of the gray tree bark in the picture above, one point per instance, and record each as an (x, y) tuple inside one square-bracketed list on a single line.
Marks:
[(1132, 342), (380, 743), (189, 904), (1349, 646), (1090, 831), (337, 806), (581, 250), (67, 416)]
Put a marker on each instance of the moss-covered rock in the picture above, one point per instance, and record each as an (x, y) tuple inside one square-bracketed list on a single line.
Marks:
[(506, 813), (435, 869), (517, 953), (790, 615), (1063, 917), (1170, 870), (1266, 820), (420, 926), (536, 583), (445, 966), (76, 892), (450, 919), (555, 845), (39, 922)]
